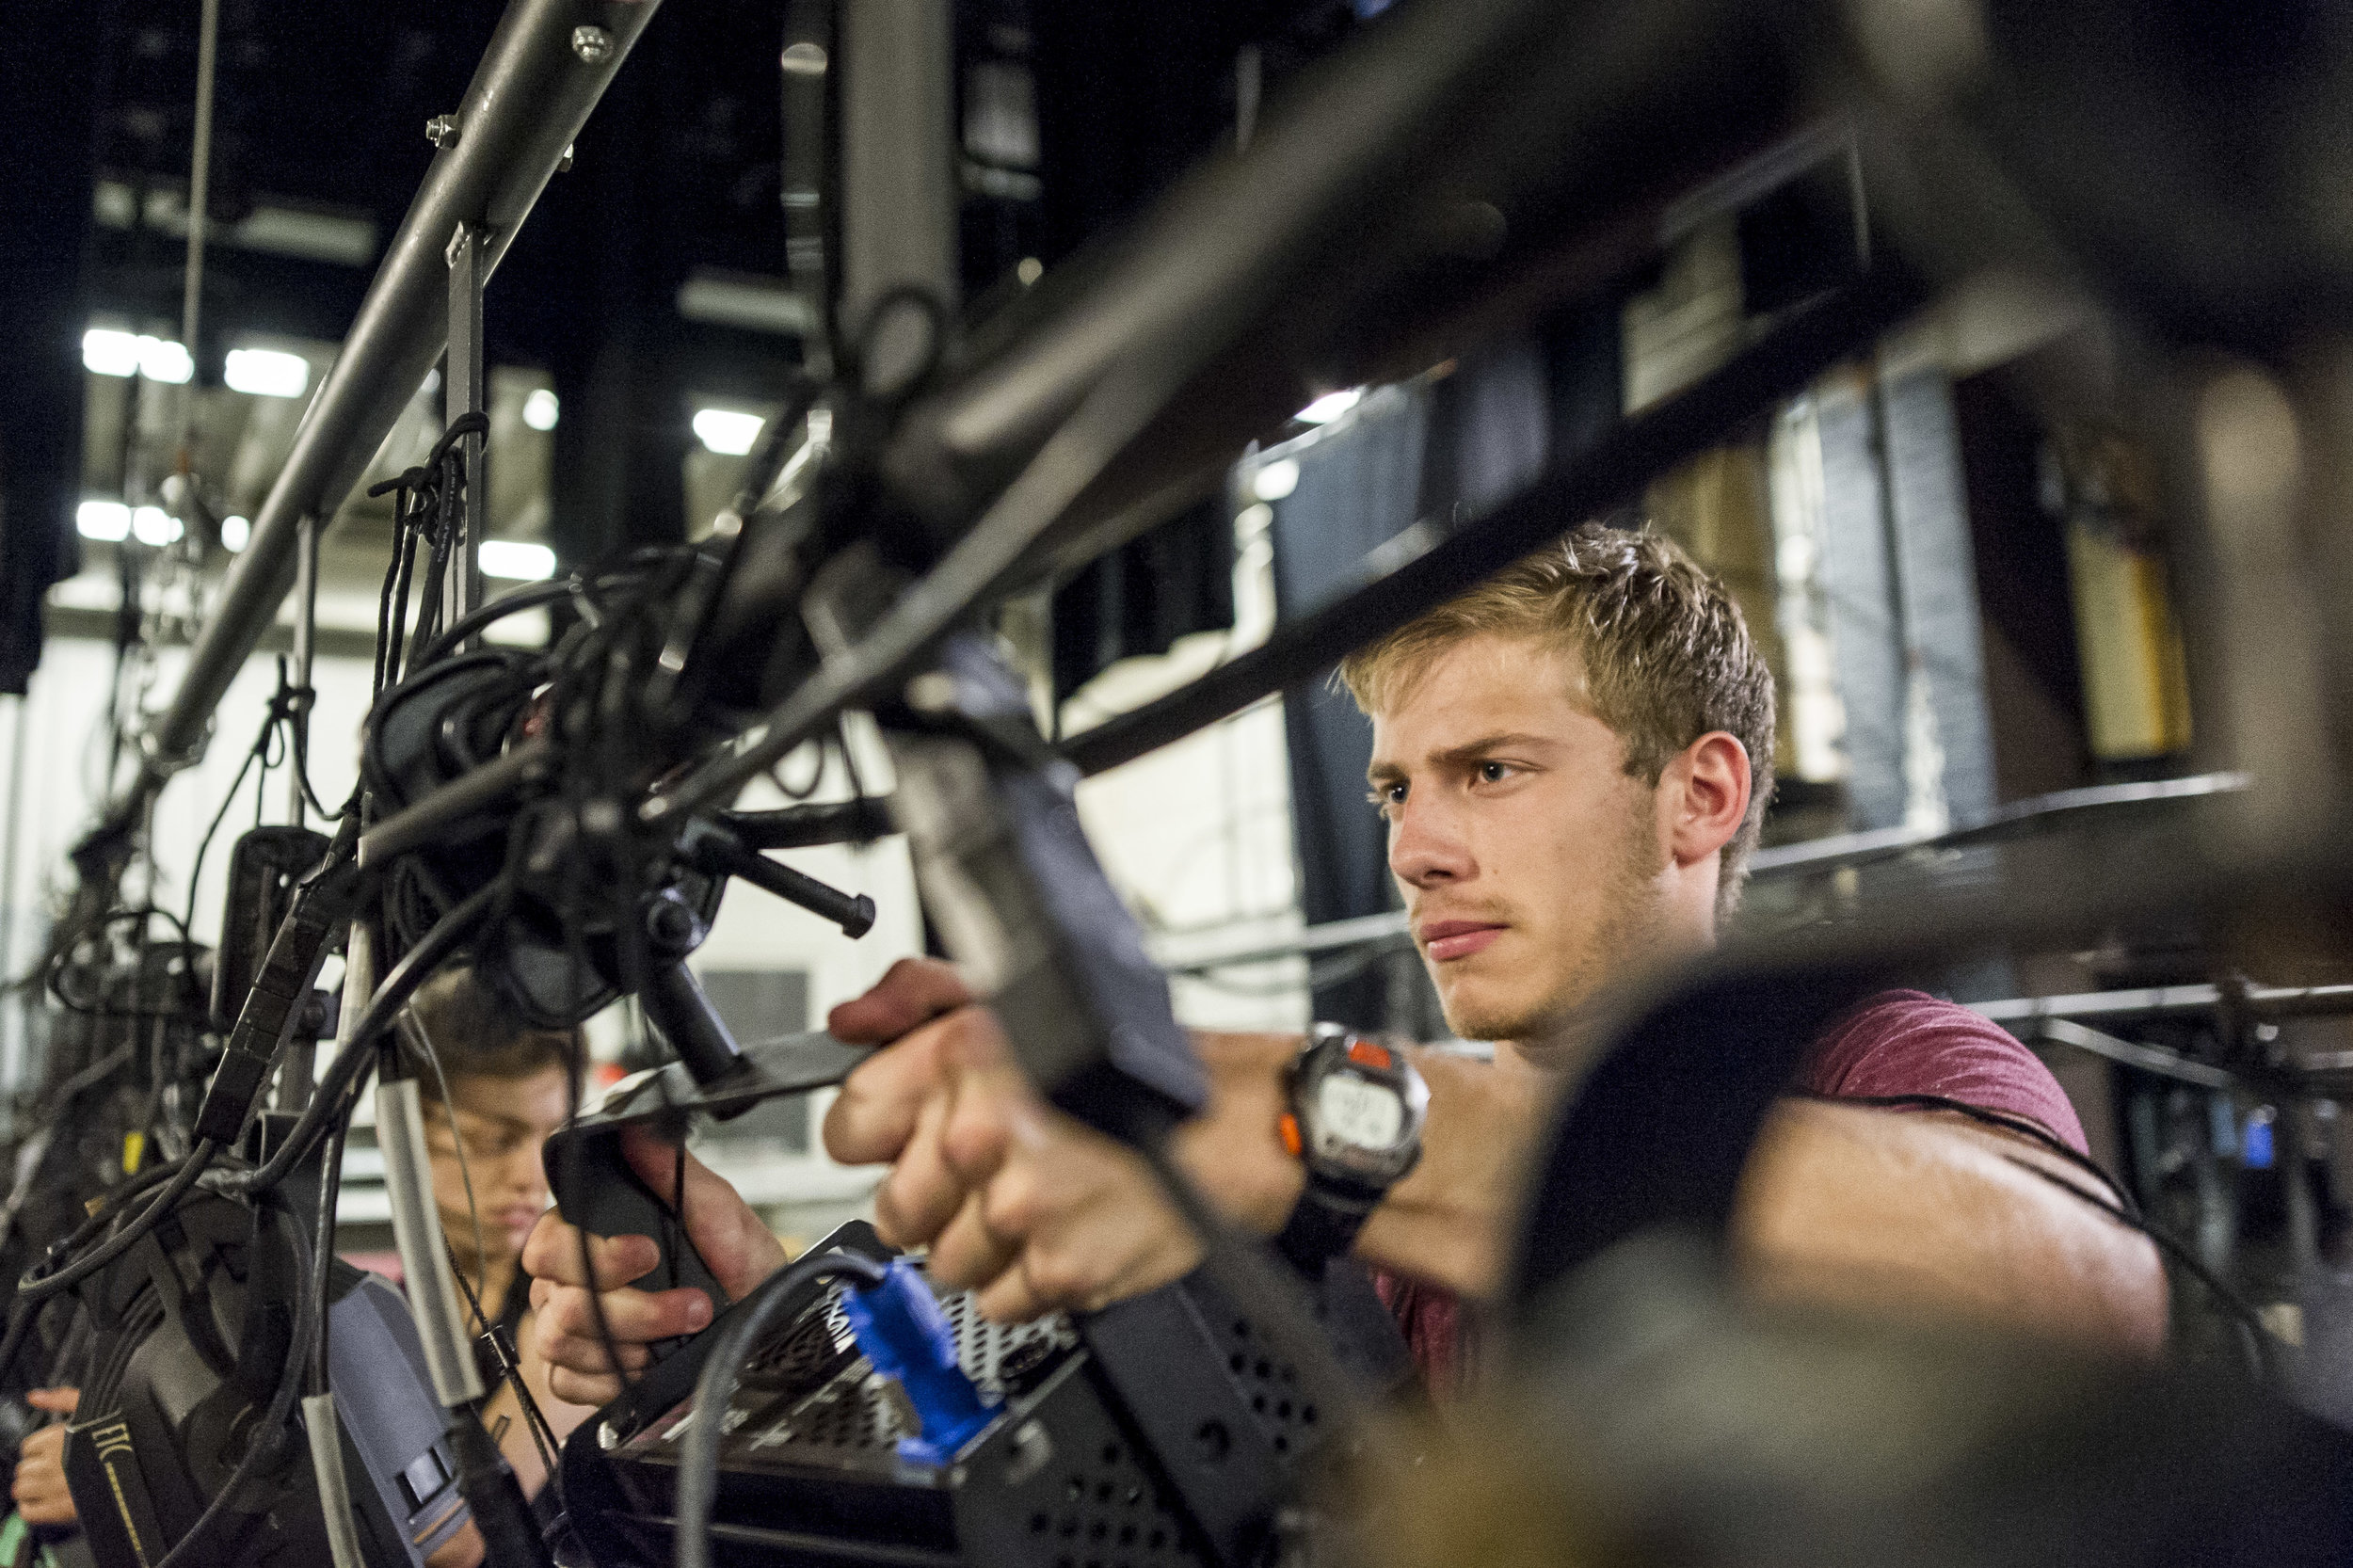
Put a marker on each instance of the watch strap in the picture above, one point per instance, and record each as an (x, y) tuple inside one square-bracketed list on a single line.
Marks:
[(1325, 1223)]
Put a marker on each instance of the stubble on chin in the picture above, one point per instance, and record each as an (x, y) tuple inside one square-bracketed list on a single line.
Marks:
[(1554, 1029)]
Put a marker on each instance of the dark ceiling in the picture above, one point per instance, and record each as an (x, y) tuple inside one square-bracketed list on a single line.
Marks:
[(321, 110)]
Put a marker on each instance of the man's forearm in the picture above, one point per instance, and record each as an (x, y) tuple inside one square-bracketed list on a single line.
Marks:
[(1449, 1222), (1847, 1206)]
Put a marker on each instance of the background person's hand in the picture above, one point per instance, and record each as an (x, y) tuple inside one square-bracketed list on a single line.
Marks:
[(736, 1244), (40, 1489)]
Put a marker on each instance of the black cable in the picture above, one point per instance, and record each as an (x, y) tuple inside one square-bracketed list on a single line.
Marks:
[(415, 968), (531, 596), (678, 1204), (2008, 1121), (37, 1287), (2230, 1301), (269, 1436), (60, 959), (698, 1460), (510, 1360), (323, 1247)]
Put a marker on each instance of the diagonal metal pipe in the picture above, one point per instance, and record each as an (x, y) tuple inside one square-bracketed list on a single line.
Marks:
[(544, 71)]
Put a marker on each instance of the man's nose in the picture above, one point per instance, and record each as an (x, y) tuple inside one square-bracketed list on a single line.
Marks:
[(1427, 846)]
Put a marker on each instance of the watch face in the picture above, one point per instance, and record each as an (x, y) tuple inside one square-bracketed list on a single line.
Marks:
[(1363, 1114)]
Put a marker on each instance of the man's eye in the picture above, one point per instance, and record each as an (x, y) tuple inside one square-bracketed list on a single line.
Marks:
[(1386, 798), (1495, 773)]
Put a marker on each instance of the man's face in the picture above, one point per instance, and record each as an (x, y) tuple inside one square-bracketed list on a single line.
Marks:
[(1529, 860)]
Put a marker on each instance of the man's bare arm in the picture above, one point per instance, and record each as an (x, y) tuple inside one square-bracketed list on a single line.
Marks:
[(1901, 1214)]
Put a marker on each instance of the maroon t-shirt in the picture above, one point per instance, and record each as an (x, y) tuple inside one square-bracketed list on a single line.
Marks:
[(1896, 1043)]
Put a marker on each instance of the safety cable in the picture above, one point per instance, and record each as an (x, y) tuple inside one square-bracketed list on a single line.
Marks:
[(2121, 1208), (714, 1389)]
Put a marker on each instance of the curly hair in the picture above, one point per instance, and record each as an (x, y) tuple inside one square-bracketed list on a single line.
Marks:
[(1666, 653)]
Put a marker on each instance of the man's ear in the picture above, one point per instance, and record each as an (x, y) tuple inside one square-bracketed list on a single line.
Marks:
[(1706, 789)]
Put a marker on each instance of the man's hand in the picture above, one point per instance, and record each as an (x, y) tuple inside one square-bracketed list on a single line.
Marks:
[(40, 1490), (740, 1249), (1017, 1201)]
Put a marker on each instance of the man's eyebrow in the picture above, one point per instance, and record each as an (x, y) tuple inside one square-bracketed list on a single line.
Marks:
[(1469, 751), (1472, 750)]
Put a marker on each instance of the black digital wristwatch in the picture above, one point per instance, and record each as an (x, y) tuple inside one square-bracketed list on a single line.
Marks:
[(1355, 1121)]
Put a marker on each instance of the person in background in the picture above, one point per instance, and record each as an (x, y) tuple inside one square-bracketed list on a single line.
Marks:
[(509, 1087)]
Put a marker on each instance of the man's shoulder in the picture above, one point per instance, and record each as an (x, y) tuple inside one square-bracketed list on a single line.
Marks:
[(1905, 1043)]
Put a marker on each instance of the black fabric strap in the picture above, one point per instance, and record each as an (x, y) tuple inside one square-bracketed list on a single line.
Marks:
[(1324, 1224)]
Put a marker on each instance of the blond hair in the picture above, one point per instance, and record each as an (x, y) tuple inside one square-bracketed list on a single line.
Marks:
[(1667, 656)]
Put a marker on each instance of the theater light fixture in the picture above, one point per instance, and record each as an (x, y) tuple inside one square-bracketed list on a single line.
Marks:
[(541, 408)]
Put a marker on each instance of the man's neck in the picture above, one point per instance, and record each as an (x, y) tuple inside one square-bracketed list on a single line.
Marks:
[(1568, 1044)]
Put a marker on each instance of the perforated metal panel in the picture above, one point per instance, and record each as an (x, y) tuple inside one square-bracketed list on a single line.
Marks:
[(1272, 1387), (807, 1397)]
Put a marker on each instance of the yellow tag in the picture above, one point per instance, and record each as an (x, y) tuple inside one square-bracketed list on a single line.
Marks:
[(134, 1145)]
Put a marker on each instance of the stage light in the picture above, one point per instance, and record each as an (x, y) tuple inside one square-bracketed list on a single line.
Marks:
[(516, 560), (266, 372), (541, 408), (234, 532), (1331, 406), (1276, 480), (155, 527), (109, 520), (728, 432)]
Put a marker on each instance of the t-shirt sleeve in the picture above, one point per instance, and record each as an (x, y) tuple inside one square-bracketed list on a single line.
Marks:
[(1908, 1042)]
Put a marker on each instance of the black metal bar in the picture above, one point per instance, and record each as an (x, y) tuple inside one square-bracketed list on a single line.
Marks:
[(800, 826), (1401, 583)]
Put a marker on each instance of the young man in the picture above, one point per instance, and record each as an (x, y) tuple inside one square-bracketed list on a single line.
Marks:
[(1573, 761)]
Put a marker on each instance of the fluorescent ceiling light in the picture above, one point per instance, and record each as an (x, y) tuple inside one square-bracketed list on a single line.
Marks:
[(155, 527), (541, 408), (106, 352), (161, 360), (109, 520), (1276, 480), (266, 372), (234, 532), (516, 560), (725, 431), (1331, 406), (110, 353)]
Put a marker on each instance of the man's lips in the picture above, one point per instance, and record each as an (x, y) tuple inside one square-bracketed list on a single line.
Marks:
[(1446, 940)]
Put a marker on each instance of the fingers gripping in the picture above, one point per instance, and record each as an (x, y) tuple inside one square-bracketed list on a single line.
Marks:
[(913, 991)]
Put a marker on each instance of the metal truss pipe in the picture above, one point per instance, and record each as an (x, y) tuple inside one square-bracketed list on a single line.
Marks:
[(546, 66)]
